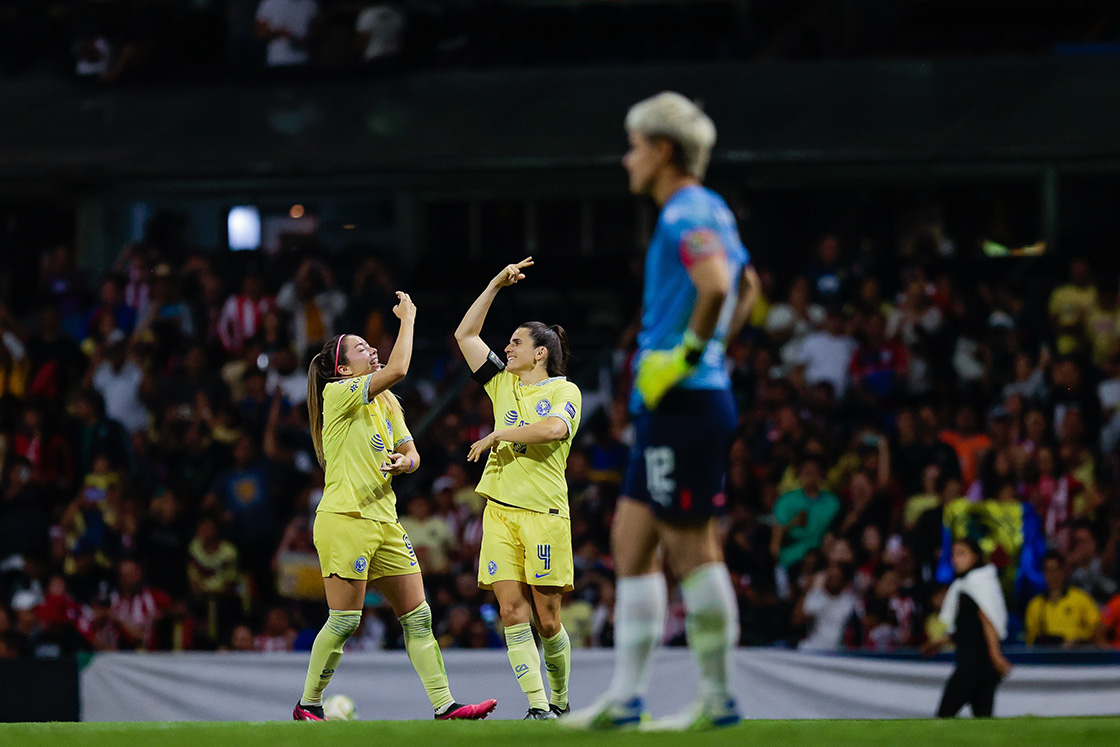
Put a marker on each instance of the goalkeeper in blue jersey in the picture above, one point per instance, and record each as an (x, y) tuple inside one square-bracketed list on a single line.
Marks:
[(699, 289)]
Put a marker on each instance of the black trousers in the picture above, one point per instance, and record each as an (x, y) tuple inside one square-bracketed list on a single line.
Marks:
[(972, 683)]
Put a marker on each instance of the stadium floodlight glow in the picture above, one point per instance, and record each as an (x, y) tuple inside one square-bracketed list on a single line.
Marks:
[(244, 228)]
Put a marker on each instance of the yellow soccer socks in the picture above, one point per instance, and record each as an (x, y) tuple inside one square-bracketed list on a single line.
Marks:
[(558, 666), (326, 652), (526, 663), (423, 652)]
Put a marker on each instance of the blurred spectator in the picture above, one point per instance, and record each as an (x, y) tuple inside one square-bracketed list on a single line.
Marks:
[(826, 354), (285, 26), (1064, 615), (828, 278), (242, 313), (314, 303), (286, 377), (1070, 306), (380, 32), (138, 609), (825, 609), (802, 516), (244, 497), (277, 633), (432, 539), (119, 380), (212, 572), (1086, 567)]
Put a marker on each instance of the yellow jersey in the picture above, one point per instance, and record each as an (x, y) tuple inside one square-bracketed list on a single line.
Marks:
[(530, 476), (1073, 618), (358, 436)]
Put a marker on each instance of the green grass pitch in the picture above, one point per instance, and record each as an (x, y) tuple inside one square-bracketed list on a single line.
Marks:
[(1019, 732)]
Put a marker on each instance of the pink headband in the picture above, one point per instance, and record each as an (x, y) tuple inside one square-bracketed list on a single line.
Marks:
[(337, 348)]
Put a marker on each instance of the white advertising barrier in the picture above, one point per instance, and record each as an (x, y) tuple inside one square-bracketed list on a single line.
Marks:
[(769, 683)]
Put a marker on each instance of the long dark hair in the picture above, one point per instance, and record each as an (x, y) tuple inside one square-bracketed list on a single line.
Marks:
[(322, 371), (555, 340)]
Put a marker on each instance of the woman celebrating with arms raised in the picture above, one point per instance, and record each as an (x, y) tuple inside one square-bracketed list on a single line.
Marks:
[(526, 555), (362, 442)]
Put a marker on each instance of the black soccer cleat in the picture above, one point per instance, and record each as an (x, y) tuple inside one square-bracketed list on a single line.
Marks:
[(560, 712), (539, 714)]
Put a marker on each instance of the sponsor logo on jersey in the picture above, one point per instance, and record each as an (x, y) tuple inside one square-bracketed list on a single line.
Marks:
[(360, 565), (544, 407), (377, 443), (511, 417), (492, 567), (570, 409)]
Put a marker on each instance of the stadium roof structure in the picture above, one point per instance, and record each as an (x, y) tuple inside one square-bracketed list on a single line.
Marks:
[(1058, 111)]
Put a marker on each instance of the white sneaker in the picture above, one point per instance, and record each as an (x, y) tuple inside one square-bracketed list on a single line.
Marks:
[(701, 715), (607, 713)]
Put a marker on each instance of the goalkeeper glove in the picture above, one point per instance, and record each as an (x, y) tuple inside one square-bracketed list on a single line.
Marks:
[(661, 370)]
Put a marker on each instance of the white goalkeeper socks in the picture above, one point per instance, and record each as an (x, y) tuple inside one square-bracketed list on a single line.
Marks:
[(639, 624), (712, 624)]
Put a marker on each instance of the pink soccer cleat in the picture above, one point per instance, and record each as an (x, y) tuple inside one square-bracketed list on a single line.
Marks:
[(457, 711), (308, 713)]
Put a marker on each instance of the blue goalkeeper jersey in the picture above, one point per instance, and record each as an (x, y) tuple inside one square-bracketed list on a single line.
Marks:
[(694, 224)]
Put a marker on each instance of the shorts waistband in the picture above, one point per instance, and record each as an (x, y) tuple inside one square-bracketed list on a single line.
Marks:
[(553, 511)]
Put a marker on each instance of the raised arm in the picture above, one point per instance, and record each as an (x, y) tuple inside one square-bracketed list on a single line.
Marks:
[(750, 286), (396, 368), (475, 351)]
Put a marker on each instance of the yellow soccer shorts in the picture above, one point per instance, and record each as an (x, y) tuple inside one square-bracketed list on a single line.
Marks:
[(363, 549), (525, 546)]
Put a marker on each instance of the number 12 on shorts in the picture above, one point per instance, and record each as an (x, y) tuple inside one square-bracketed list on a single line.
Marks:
[(660, 465)]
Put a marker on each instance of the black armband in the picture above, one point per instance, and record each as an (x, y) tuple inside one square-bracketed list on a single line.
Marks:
[(490, 368)]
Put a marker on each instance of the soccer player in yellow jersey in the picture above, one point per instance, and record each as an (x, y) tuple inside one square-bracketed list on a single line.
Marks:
[(362, 442), (526, 555)]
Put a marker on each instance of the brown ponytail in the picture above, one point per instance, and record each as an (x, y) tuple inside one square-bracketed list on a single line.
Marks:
[(555, 340), (319, 374), (322, 371)]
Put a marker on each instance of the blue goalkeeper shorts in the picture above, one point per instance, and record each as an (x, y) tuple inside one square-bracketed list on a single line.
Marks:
[(679, 459)]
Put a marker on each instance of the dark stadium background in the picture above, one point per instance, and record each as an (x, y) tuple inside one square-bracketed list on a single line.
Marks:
[(929, 141)]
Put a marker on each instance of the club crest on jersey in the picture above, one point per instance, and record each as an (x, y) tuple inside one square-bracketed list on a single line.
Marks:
[(544, 407), (377, 443), (360, 565), (511, 417), (389, 427), (492, 567), (700, 243)]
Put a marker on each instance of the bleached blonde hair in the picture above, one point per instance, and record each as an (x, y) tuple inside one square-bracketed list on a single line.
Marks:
[(674, 117)]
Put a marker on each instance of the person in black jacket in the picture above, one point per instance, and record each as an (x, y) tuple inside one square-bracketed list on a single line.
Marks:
[(975, 616)]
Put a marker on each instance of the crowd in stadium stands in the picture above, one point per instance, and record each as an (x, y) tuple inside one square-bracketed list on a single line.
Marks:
[(158, 484), (174, 40)]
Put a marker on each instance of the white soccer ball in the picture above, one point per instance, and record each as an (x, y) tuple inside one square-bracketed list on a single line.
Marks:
[(339, 708)]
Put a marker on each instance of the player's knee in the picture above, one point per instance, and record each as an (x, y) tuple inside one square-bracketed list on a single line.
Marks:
[(514, 613), (344, 623), (418, 623), (549, 625)]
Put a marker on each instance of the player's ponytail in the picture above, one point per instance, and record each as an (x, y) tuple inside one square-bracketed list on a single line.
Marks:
[(323, 369), (555, 340), (565, 352)]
